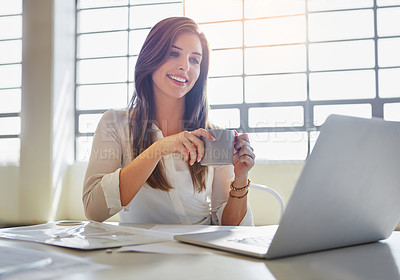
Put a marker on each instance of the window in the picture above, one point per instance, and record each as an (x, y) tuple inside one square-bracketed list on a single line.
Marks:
[(278, 68), (10, 80)]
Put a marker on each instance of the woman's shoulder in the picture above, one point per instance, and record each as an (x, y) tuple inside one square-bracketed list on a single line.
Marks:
[(115, 115)]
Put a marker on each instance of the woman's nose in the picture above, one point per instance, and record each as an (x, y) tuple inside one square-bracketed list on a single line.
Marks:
[(183, 65)]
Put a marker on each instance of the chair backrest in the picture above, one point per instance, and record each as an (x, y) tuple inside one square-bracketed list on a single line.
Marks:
[(266, 204)]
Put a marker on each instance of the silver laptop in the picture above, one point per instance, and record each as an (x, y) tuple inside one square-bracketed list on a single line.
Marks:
[(348, 194)]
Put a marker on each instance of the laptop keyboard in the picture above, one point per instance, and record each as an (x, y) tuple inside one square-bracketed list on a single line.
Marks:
[(261, 241)]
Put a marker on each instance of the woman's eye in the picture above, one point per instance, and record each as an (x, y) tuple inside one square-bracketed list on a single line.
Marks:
[(195, 61), (174, 54)]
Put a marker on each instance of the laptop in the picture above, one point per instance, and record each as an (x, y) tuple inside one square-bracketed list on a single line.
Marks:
[(347, 194)]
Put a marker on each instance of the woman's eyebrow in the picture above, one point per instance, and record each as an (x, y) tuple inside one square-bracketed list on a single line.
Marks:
[(175, 47)]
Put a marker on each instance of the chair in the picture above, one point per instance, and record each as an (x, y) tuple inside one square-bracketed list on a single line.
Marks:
[(259, 202)]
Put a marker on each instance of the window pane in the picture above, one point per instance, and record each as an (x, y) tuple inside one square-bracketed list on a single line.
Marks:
[(325, 5), (10, 101), (10, 51), (134, 2), (269, 8), (226, 62), (83, 148), (9, 7), (355, 110), (10, 126), (233, 34), (100, 3), (102, 70), (136, 40), (389, 82), (276, 88), (388, 2), (211, 10), (225, 118), (10, 76), (391, 111), (342, 55), (88, 122), (341, 25), (132, 65), (10, 27), (103, 19), (279, 145), (103, 44), (99, 97), (276, 116), (342, 85), (9, 150), (275, 59), (140, 15), (274, 31), (225, 90), (388, 52), (389, 21)]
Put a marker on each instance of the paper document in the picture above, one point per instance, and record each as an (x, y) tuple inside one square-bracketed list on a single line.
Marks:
[(20, 263), (84, 235), (169, 247)]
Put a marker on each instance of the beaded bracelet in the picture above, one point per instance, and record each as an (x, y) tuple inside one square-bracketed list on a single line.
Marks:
[(238, 197), (240, 189)]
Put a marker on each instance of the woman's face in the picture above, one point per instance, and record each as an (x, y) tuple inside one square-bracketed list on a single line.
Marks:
[(178, 74)]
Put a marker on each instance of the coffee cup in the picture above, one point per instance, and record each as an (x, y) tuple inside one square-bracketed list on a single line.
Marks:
[(220, 151)]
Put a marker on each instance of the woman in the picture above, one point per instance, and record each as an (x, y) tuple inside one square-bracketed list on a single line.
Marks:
[(145, 161)]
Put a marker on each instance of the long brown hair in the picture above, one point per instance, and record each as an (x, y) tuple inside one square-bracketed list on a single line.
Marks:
[(154, 53)]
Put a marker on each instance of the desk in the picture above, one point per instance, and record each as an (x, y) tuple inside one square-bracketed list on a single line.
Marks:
[(380, 260)]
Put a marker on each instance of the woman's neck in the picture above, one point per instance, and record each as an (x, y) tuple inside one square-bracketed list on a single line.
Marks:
[(169, 115)]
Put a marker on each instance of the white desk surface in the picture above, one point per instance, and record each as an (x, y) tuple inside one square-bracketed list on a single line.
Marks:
[(375, 261)]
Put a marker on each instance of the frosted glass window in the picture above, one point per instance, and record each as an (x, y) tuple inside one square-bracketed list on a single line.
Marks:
[(136, 40), (322, 112), (342, 55), (233, 34), (341, 25), (225, 90), (103, 44), (10, 76), (97, 97), (270, 8), (102, 70), (10, 101), (10, 51), (389, 82), (276, 116), (88, 122), (149, 15), (10, 27), (391, 111), (132, 65), (82, 4), (211, 10), (342, 85), (226, 62), (388, 52), (83, 148), (325, 5), (387, 2), (10, 125), (9, 150), (276, 88), (225, 118), (279, 145), (389, 21), (9, 7), (275, 31), (277, 59), (103, 19)]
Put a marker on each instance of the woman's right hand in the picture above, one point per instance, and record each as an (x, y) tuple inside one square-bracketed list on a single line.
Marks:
[(186, 143)]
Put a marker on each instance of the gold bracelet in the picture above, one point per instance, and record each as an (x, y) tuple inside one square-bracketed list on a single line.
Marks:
[(238, 197), (240, 189)]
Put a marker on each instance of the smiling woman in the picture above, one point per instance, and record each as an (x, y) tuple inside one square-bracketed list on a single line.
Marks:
[(153, 150)]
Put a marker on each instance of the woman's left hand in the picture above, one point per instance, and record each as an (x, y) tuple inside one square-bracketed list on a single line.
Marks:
[(244, 157)]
